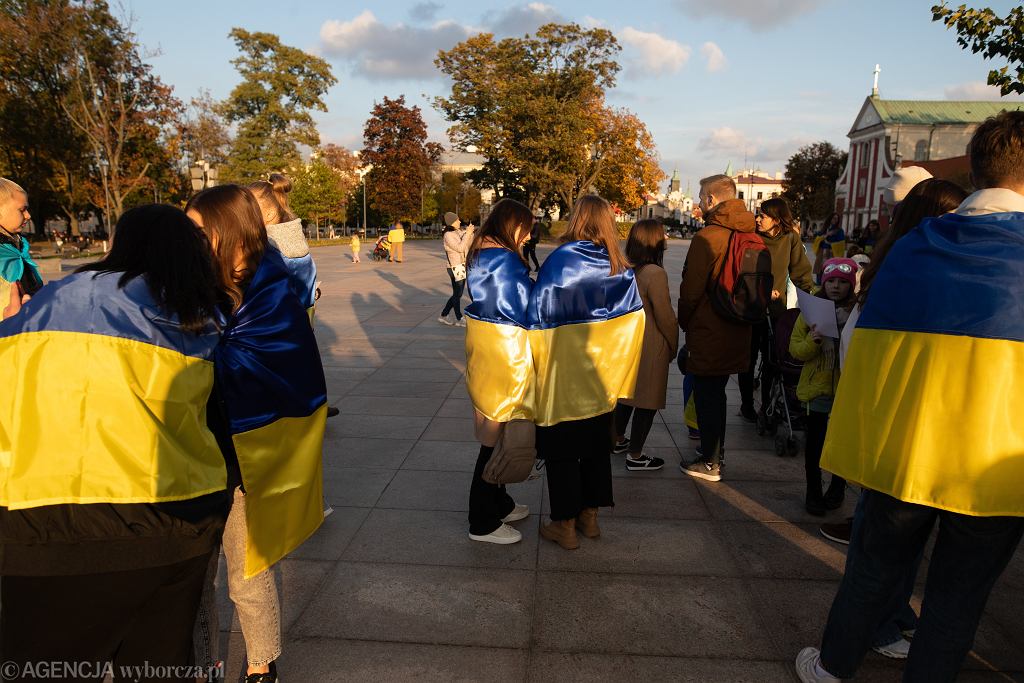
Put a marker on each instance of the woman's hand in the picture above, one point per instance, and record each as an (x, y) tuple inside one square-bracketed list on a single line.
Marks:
[(815, 335)]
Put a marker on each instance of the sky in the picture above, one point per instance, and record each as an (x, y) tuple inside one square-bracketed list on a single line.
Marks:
[(715, 81)]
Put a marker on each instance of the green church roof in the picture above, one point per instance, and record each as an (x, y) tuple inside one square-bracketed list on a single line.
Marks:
[(940, 111)]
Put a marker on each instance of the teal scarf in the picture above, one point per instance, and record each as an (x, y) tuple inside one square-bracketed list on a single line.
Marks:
[(14, 260)]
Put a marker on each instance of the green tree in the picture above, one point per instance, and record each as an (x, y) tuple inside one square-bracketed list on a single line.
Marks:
[(809, 184), (317, 192), (205, 135), (457, 193), (280, 86), (395, 143), (995, 37), (534, 107)]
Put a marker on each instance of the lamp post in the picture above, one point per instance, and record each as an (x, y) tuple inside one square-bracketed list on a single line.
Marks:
[(104, 164), (362, 177), (203, 175)]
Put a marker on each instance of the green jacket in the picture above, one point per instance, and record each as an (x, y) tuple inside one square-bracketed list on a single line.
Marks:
[(789, 259), (820, 374)]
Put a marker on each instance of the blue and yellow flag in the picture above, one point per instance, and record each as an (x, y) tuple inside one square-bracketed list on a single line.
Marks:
[(271, 382), (499, 365), (927, 410), (104, 399), (586, 333)]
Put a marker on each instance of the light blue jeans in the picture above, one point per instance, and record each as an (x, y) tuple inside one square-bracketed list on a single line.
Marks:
[(255, 600)]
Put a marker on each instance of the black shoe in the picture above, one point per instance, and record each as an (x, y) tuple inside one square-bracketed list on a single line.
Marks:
[(834, 497), (643, 462), (839, 533), (748, 413), (332, 411), (815, 505), (269, 677), (621, 447)]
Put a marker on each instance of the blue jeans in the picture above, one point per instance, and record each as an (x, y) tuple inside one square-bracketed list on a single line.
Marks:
[(970, 553)]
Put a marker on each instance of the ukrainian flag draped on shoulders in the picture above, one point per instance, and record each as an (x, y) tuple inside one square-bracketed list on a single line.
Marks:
[(104, 399), (586, 333), (270, 381), (928, 407), (499, 365)]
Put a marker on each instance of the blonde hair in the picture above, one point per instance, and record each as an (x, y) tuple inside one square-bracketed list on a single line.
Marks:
[(593, 219), (721, 185), (9, 188), (273, 195)]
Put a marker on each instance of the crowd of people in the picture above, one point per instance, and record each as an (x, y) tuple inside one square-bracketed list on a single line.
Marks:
[(188, 360)]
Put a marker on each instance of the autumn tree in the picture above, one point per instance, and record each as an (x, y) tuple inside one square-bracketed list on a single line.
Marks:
[(995, 37), (205, 135), (395, 144), (457, 193), (280, 86), (534, 107), (809, 183)]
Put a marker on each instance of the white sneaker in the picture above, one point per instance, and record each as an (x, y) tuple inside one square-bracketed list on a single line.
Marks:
[(443, 319), (518, 512), (503, 535), (898, 650), (461, 322), (808, 667)]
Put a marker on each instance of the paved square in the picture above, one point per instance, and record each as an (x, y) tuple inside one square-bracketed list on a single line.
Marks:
[(691, 581)]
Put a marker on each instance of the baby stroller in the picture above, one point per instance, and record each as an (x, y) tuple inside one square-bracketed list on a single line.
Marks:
[(783, 409), (382, 249)]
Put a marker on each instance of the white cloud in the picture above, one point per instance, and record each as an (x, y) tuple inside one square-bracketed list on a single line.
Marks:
[(389, 51), (656, 54), (425, 11), (757, 14), (519, 20), (714, 56), (730, 144), (977, 90)]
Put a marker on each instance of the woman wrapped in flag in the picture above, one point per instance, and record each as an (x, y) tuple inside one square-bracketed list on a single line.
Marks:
[(586, 332), (268, 412), (112, 487), (499, 365)]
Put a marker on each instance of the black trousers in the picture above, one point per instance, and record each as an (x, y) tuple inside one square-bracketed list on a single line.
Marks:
[(710, 402), (577, 457), (488, 503), (530, 252), (129, 618), (455, 300), (643, 420), (817, 428), (759, 341)]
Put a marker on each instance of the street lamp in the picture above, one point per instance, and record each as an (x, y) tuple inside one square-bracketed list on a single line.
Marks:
[(203, 175), (104, 167), (362, 176)]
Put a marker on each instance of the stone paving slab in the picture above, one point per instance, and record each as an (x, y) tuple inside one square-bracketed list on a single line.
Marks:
[(691, 581)]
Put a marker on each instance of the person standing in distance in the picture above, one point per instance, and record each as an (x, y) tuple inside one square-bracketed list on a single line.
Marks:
[(396, 235)]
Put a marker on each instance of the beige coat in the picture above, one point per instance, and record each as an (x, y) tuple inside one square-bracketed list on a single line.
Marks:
[(661, 338)]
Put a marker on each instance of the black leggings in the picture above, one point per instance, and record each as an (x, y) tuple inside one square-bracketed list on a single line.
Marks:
[(455, 300), (488, 503), (530, 252), (643, 420), (577, 457), (817, 427)]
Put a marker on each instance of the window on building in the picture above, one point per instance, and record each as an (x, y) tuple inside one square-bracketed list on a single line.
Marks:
[(864, 155), (741, 194), (862, 187), (921, 150), (760, 195)]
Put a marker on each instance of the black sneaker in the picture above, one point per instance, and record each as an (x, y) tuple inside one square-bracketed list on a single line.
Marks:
[(621, 447), (838, 533), (269, 677), (644, 462), (702, 470), (332, 411), (748, 413)]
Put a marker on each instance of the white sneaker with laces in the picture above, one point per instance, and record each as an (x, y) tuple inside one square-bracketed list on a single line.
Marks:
[(898, 650), (809, 669), (444, 320), (503, 535), (518, 512)]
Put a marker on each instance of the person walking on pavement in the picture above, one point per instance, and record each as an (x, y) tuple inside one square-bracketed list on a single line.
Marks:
[(530, 248), (456, 242), (396, 236), (716, 347)]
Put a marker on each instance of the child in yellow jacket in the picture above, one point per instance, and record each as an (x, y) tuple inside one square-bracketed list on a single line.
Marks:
[(820, 377), (355, 243)]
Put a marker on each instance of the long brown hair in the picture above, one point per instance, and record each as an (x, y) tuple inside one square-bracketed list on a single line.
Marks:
[(593, 219), (234, 224), (646, 243), (927, 199), (273, 195), (777, 209), (505, 218)]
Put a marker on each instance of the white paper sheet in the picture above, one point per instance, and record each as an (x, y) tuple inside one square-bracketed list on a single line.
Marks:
[(820, 312)]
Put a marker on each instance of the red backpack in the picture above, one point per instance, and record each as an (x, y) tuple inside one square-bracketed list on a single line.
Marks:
[(742, 289)]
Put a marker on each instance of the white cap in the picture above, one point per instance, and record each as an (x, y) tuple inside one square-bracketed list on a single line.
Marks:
[(902, 182)]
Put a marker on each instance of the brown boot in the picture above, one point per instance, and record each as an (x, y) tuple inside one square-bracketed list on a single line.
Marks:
[(587, 523), (562, 532)]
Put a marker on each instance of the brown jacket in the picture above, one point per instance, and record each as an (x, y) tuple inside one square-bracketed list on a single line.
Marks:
[(661, 338), (715, 346)]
